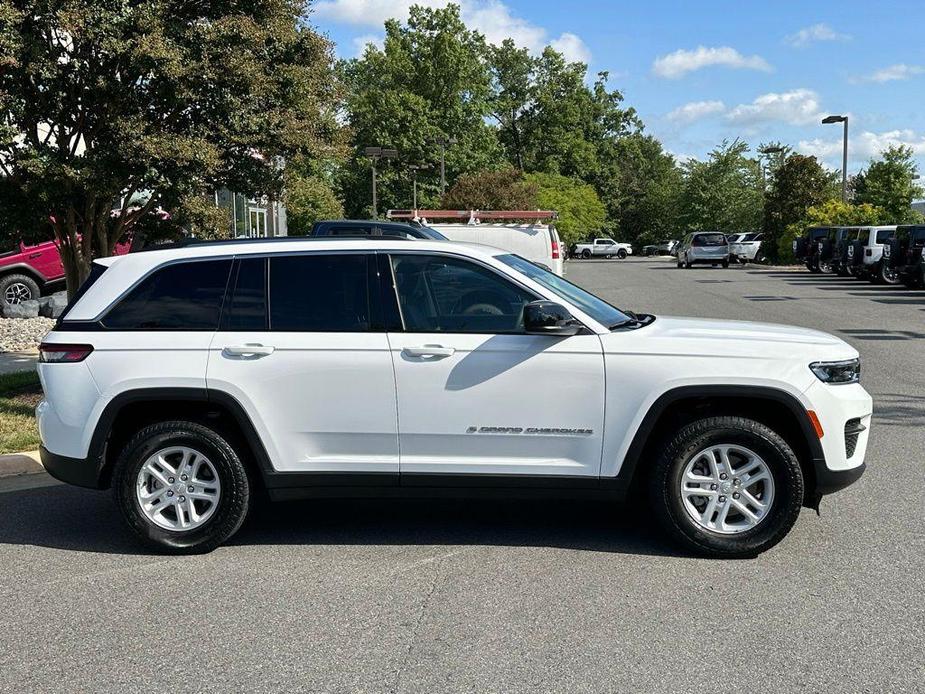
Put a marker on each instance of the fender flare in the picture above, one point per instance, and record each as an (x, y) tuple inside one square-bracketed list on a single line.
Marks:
[(641, 437)]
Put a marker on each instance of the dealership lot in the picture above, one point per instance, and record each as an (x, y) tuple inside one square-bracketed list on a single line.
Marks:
[(446, 596)]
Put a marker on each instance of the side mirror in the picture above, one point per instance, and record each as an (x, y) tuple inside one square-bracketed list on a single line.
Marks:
[(549, 318)]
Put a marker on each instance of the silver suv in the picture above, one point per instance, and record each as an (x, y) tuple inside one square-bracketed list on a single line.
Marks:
[(704, 247)]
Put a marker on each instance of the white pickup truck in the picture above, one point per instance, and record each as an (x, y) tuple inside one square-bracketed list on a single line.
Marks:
[(608, 248)]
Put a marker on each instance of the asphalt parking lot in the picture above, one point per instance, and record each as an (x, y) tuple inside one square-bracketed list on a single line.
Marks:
[(507, 596)]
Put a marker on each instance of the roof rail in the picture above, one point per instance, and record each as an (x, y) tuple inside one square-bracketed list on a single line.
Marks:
[(188, 242), (473, 216)]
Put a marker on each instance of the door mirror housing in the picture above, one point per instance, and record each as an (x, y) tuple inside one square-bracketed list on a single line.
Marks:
[(549, 318)]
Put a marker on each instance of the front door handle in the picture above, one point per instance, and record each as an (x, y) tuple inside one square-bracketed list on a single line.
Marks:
[(253, 351), (429, 351)]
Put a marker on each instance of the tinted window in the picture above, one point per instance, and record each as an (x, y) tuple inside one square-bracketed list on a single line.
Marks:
[(439, 294), (349, 231), (597, 308), (884, 235), (182, 296), (319, 293), (709, 240), (248, 306)]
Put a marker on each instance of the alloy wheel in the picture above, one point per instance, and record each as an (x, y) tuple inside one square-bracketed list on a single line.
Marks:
[(178, 488), (727, 489), (16, 293)]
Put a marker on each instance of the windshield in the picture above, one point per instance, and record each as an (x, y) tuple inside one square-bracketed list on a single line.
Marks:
[(709, 240), (598, 309), (432, 234)]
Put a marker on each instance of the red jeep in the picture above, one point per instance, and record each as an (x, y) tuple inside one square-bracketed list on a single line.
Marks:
[(28, 272)]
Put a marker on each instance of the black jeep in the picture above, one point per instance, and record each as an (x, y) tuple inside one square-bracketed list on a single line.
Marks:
[(830, 248), (903, 254), (806, 248)]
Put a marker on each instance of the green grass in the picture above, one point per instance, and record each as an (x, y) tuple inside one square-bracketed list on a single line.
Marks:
[(19, 394)]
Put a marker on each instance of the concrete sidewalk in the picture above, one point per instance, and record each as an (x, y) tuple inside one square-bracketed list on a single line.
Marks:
[(20, 464), (11, 362)]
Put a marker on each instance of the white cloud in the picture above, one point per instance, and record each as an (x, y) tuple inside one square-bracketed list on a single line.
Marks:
[(490, 17), (814, 33), (695, 110), (900, 71), (360, 42), (572, 47), (864, 145), (797, 107), (679, 63)]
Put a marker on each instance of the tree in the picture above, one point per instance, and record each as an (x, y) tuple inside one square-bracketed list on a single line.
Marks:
[(642, 195), (309, 199), (724, 193), (581, 212), (429, 80), (797, 183), (890, 184), (832, 212), (504, 189), (153, 103), (512, 88)]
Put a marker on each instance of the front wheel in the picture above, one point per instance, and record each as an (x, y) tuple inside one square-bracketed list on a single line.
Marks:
[(725, 263), (181, 487), (621, 254), (18, 288), (586, 254), (727, 487)]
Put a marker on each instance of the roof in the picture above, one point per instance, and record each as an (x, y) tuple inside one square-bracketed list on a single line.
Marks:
[(124, 271)]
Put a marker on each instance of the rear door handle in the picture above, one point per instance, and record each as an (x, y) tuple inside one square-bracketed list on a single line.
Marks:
[(429, 351), (254, 351)]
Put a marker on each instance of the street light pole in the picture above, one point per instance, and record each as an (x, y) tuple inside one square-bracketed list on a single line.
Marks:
[(443, 141), (844, 166), (414, 179), (375, 154)]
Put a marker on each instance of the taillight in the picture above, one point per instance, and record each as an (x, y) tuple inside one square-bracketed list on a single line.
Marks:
[(555, 250), (58, 353)]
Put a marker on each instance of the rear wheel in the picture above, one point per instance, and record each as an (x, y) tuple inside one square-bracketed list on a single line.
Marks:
[(727, 487), (825, 266), (725, 263), (181, 487), (18, 288), (885, 275), (687, 263)]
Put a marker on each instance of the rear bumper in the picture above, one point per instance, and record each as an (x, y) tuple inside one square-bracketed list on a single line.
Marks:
[(81, 472)]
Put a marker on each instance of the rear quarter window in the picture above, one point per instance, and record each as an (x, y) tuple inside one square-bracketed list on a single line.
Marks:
[(181, 296)]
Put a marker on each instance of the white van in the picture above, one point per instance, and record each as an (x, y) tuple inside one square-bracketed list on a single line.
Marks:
[(538, 243)]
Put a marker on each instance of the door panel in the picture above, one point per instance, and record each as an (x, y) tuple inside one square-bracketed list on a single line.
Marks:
[(301, 359), (484, 407), (320, 401)]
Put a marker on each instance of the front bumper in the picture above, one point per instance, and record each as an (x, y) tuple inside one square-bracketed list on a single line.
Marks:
[(830, 481)]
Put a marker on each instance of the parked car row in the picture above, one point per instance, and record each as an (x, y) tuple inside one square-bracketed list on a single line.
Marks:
[(881, 254)]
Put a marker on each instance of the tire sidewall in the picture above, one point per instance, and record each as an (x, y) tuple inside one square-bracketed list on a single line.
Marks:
[(233, 502), (8, 280), (785, 470)]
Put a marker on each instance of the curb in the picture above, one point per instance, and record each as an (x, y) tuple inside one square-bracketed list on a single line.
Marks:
[(20, 464)]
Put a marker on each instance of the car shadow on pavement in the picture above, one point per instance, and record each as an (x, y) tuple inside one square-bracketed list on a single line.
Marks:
[(69, 518)]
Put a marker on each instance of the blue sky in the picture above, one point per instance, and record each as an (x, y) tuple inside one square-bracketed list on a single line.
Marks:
[(702, 71)]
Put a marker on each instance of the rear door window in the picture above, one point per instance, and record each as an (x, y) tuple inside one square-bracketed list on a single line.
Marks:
[(709, 240), (180, 296), (884, 235), (247, 307), (320, 293)]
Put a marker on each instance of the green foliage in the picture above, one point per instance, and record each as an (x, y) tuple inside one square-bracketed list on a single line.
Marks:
[(832, 212), (642, 192), (724, 193), (309, 199), (504, 189), (796, 183), (169, 99), (429, 80), (889, 183), (581, 212)]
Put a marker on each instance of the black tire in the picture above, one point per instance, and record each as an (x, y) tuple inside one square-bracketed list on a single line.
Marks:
[(813, 267), (586, 253), (687, 263), (725, 263), (621, 254), (885, 275), (665, 496), (27, 288), (680, 264), (233, 505)]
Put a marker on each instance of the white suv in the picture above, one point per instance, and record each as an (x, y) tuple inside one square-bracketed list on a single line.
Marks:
[(189, 378)]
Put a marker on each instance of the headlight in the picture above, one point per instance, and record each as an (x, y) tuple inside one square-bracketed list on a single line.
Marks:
[(837, 372)]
